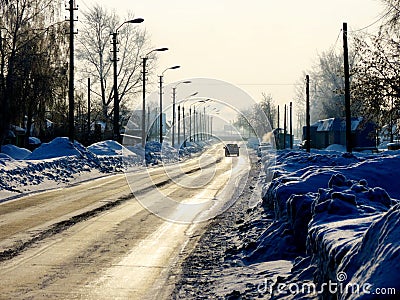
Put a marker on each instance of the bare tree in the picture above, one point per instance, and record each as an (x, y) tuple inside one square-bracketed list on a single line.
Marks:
[(260, 118), (391, 16), (376, 89), (32, 53), (93, 52), (269, 108), (326, 87)]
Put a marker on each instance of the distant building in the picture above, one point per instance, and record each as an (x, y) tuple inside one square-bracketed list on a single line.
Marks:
[(333, 131), (134, 126), (282, 140)]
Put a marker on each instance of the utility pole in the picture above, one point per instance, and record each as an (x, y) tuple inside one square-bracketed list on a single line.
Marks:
[(210, 119), (291, 124), (174, 117), (148, 122), (347, 89), (194, 125), (71, 100), (391, 121), (184, 125), (160, 116), (116, 100), (308, 129), (190, 123), (179, 126), (115, 75), (278, 119), (88, 108), (284, 128), (204, 124), (144, 101), (278, 133)]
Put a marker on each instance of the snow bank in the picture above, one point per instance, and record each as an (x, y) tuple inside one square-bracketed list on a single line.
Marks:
[(5, 157), (336, 147), (58, 163), (61, 162), (60, 146), (24, 176), (109, 148), (191, 148), (156, 153), (15, 152), (337, 208), (374, 260)]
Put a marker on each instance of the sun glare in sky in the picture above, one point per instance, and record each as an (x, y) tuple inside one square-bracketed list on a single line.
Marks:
[(258, 45)]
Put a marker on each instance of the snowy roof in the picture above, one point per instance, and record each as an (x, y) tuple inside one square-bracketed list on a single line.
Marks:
[(316, 124), (355, 122), (337, 124), (18, 129), (326, 125)]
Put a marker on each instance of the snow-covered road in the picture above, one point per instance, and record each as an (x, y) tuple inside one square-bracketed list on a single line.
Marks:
[(327, 228), (95, 240)]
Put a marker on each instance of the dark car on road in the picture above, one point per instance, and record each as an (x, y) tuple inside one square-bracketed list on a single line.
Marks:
[(231, 149)]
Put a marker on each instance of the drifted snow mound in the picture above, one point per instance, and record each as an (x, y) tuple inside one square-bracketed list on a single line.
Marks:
[(156, 153), (336, 147), (110, 148), (15, 152), (5, 158), (341, 214), (190, 148), (375, 260), (59, 147), (21, 175), (339, 211)]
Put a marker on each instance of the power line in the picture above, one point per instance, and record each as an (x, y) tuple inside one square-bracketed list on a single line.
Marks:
[(376, 21), (337, 39), (85, 4), (261, 84)]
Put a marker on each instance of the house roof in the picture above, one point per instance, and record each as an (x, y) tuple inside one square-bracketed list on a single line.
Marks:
[(337, 124)]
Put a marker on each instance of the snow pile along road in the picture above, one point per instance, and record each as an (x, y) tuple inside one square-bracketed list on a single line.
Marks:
[(56, 164), (60, 162), (110, 148), (15, 152), (339, 215)]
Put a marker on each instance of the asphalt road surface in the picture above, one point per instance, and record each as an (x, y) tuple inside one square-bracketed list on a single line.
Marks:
[(116, 237)]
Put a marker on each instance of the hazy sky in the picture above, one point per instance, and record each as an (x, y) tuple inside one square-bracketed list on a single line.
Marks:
[(259, 45)]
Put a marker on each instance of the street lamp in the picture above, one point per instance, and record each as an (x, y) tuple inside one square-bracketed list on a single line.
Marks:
[(184, 118), (216, 112), (173, 111), (161, 82), (145, 58), (114, 60), (194, 121)]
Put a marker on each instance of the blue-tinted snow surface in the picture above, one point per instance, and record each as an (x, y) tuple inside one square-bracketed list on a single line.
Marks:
[(341, 211)]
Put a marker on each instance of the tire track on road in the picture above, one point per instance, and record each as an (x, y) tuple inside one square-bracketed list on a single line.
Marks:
[(65, 224)]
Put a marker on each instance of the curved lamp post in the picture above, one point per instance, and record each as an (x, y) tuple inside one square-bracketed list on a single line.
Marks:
[(114, 60), (144, 59), (214, 111), (161, 82), (173, 111), (184, 118), (194, 121)]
